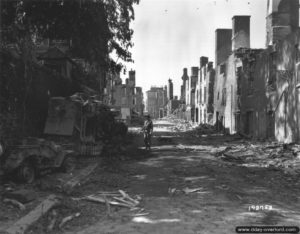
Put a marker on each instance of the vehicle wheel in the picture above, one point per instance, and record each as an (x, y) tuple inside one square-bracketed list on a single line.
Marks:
[(27, 173), (68, 165)]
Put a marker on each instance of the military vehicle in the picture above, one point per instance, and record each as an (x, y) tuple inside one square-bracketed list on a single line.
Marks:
[(34, 156), (79, 125)]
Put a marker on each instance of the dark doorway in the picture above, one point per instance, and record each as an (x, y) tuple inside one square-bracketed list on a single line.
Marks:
[(237, 122), (197, 115), (217, 120), (249, 122), (193, 114), (161, 113), (270, 125)]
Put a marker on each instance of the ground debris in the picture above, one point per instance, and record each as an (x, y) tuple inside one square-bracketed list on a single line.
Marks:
[(188, 190), (185, 190), (52, 220), (272, 155), (180, 125), (119, 198), (15, 203), (204, 129), (23, 224), (68, 218), (22, 195)]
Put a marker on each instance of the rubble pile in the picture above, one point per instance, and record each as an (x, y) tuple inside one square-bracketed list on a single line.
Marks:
[(272, 155), (180, 124), (204, 129), (184, 125)]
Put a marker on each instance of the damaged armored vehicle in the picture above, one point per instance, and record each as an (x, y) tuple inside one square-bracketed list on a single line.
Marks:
[(79, 125), (34, 156)]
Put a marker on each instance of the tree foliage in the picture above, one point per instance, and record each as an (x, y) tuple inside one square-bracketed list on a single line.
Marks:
[(96, 27)]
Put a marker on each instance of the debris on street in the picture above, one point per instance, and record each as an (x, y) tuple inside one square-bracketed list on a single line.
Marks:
[(24, 223), (119, 198), (204, 129), (179, 125), (140, 214), (186, 190), (52, 220), (15, 203), (272, 155), (67, 219), (21, 195)]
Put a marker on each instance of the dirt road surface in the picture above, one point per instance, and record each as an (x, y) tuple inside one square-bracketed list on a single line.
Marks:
[(185, 188), (224, 199)]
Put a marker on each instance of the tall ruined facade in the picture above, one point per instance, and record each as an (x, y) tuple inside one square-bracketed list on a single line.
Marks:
[(282, 55), (222, 51), (258, 90), (282, 19), (204, 94), (227, 96)]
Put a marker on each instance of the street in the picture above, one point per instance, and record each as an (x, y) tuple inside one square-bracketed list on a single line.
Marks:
[(222, 203), (227, 190), (185, 187)]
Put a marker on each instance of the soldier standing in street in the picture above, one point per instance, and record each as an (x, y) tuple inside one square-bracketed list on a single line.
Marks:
[(148, 130)]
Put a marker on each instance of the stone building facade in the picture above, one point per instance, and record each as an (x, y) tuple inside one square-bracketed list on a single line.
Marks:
[(183, 86), (156, 102), (190, 93), (170, 90), (125, 97), (257, 90), (205, 92)]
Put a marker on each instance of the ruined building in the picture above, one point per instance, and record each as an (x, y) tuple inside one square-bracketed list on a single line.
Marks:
[(170, 89), (156, 102), (238, 89), (257, 90), (190, 85), (282, 19), (282, 75), (173, 105), (222, 52), (173, 102), (183, 86), (125, 97), (204, 109)]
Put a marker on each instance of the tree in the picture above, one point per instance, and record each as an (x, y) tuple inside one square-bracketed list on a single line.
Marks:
[(95, 27)]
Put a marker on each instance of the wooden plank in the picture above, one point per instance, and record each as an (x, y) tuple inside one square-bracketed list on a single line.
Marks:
[(24, 223)]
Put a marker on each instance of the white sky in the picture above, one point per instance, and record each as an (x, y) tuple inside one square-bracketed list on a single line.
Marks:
[(172, 34)]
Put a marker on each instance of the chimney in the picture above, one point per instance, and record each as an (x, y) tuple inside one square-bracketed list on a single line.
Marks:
[(240, 32), (222, 45), (194, 77), (210, 65), (282, 19), (194, 71), (132, 78), (131, 74), (185, 75), (203, 61), (170, 89)]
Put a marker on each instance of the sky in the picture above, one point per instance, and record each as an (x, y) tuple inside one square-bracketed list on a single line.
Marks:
[(170, 35)]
